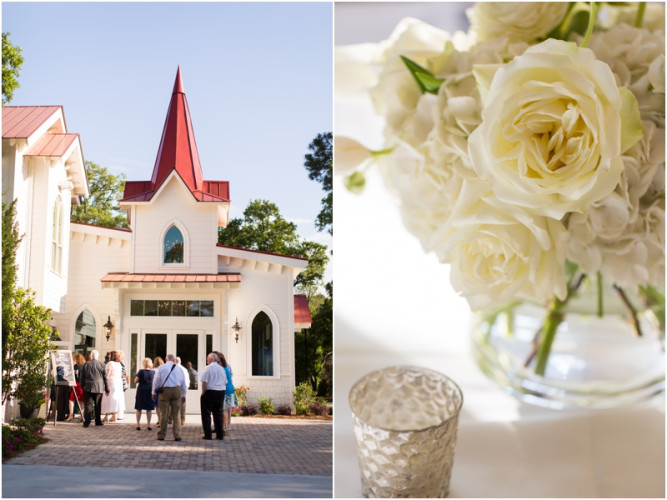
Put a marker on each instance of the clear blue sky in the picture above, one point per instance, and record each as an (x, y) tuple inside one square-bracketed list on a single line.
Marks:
[(257, 76)]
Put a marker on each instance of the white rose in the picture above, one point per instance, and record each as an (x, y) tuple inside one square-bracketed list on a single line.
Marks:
[(500, 253), (430, 160), (551, 133), (525, 21)]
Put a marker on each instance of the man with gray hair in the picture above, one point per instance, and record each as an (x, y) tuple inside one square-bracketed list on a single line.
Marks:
[(93, 382), (170, 384), (213, 383), (177, 361)]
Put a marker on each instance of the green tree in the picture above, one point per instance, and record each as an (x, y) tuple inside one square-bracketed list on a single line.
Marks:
[(264, 228), (101, 207), (261, 228), (319, 163), (12, 60), (26, 336), (313, 347), (10, 244), (311, 279)]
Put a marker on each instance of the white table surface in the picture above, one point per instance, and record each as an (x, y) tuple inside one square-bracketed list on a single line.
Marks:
[(394, 305)]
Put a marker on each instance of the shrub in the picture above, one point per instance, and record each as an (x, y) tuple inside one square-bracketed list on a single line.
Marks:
[(266, 406), (248, 410), (304, 396), (241, 394), (236, 411), (21, 433), (319, 409), (284, 410)]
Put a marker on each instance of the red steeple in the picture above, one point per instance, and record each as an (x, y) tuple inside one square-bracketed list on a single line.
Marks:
[(178, 149)]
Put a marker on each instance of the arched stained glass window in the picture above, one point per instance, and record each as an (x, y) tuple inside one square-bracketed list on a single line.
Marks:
[(262, 345), (173, 246)]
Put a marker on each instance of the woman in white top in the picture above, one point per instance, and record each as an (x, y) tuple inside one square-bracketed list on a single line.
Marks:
[(113, 402)]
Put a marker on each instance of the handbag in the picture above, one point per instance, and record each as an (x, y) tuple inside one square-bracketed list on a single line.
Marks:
[(161, 388)]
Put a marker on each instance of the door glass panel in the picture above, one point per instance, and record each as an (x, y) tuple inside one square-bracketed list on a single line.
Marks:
[(133, 360), (156, 345), (186, 348)]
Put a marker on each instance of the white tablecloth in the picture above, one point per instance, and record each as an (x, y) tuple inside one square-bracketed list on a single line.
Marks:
[(394, 305)]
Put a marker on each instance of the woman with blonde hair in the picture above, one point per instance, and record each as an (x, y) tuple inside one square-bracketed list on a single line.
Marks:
[(143, 399)]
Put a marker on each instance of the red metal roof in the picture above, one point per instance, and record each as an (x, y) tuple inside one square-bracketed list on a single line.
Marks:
[(52, 145), (178, 152), (172, 278), (301, 310), (20, 122), (178, 149)]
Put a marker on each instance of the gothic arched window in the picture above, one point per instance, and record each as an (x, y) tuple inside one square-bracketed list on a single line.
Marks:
[(173, 246), (262, 345)]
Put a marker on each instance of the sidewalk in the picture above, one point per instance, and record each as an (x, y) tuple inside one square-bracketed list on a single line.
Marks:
[(261, 457)]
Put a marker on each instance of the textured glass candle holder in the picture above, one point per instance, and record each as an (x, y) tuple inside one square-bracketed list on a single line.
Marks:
[(405, 420)]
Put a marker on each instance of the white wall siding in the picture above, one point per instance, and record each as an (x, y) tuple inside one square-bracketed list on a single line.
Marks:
[(175, 203), (92, 255)]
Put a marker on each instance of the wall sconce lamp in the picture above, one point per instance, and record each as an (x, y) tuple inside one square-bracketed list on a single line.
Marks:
[(108, 325), (236, 327)]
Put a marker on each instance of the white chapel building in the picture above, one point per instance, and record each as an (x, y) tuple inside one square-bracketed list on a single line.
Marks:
[(162, 286)]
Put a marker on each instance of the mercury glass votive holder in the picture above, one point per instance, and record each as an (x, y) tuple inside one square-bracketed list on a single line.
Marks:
[(405, 420)]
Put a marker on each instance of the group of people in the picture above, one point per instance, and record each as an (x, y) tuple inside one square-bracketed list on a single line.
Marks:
[(162, 386), (112, 404)]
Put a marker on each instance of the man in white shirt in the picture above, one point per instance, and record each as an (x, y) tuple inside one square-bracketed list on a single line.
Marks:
[(177, 361), (213, 383), (172, 386)]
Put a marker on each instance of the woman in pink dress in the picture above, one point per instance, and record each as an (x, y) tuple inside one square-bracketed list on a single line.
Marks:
[(112, 402)]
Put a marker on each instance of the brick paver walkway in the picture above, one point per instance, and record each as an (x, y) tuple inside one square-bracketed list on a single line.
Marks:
[(254, 445)]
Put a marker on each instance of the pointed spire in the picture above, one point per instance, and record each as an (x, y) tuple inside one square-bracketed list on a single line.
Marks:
[(178, 84), (178, 149)]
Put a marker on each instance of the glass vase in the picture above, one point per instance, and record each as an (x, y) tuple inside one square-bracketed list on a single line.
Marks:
[(594, 360)]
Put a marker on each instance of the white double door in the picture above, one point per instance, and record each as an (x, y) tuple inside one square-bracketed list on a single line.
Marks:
[(190, 345)]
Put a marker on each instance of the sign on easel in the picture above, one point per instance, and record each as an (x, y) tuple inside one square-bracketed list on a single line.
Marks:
[(62, 366)]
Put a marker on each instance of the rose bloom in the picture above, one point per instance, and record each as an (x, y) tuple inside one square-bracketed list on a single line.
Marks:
[(550, 138), (500, 252), (525, 21), (430, 158)]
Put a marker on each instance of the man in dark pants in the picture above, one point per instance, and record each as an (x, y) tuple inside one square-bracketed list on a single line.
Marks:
[(213, 383), (93, 383)]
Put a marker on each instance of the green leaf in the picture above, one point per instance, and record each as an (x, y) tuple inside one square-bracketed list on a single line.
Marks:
[(631, 123), (426, 81)]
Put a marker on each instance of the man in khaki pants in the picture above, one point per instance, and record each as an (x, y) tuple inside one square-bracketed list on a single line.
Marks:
[(170, 383)]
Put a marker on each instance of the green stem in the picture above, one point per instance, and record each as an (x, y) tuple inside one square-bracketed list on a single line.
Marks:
[(640, 15), (554, 318), (383, 151), (632, 311), (591, 24)]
